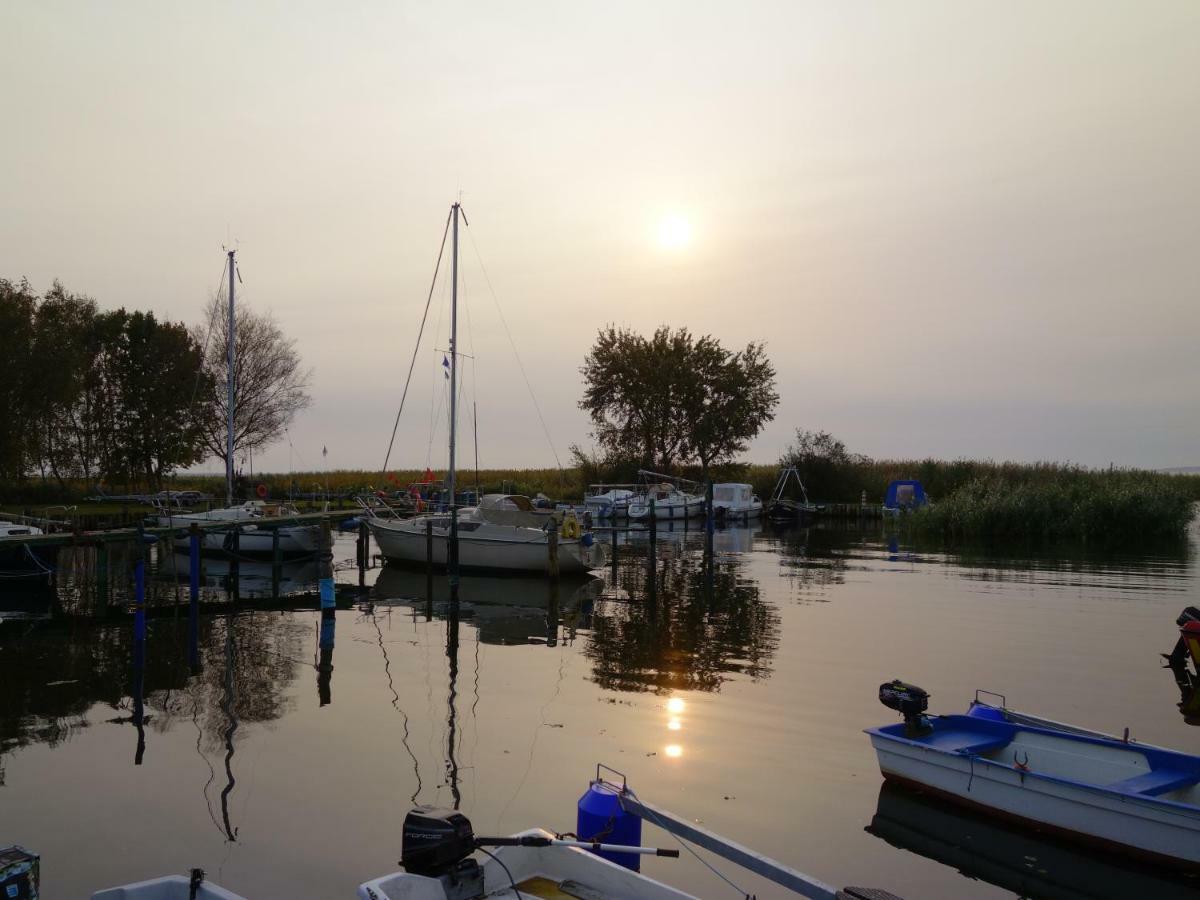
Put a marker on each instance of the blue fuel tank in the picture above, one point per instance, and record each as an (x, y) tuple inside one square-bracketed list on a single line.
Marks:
[(600, 818)]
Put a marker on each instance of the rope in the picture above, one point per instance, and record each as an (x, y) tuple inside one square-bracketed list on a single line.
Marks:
[(512, 343), (437, 267), (688, 847)]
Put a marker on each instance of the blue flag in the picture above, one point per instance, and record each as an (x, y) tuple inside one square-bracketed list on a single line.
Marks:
[(445, 366)]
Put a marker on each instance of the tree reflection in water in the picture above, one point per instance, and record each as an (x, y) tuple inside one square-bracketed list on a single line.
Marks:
[(700, 622)]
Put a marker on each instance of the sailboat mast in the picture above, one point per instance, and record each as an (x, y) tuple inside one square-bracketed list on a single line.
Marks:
[(453, 353), (229, 387), (452, 549)]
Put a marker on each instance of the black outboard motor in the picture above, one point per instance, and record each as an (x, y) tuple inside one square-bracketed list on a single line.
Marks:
[(911, 702), (437, 844)]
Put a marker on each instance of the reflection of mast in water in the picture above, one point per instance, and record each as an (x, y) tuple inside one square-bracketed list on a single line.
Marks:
[(452, 654), (227, 706), (387, 671)]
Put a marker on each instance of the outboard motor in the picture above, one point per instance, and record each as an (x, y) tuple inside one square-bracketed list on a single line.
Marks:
[(911, 702), (1188, 642), (437, 843)]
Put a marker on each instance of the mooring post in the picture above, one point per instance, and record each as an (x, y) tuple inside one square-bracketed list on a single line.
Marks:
[(235, 568), (101, 576), (364, 554), (139, 587), (709, 519), (552, 550), (429, 569), (652, 556), (194, 596), (325, 566), (276, 563), (613, 532)]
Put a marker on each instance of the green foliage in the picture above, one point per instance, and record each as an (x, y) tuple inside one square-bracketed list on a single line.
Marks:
[(96, 396), (673, 398)]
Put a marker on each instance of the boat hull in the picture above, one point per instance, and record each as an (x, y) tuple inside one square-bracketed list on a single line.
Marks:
[(296, 540), (1140, 826), (404, 542)]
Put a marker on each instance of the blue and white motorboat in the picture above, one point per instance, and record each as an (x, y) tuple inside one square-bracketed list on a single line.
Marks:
[(1113, 792)]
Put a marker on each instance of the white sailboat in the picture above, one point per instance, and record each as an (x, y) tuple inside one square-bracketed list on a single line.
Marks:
[(293, 540), (735, 502), (502, 533)]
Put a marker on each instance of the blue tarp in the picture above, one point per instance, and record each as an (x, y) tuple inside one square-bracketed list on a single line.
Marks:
[(904, 495)]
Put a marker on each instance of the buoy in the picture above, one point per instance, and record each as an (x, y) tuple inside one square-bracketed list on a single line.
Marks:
[(261, 491), (600, 818)]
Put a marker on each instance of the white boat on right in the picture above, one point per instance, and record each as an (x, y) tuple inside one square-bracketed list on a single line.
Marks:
[(1114, 793)]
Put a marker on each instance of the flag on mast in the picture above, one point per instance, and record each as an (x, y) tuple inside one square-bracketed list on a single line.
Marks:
[(445, 365)]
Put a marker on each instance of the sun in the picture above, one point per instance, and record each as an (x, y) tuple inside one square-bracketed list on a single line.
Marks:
[(674, 231)]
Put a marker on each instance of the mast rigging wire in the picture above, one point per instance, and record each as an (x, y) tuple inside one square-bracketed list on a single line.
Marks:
[(416, 348)]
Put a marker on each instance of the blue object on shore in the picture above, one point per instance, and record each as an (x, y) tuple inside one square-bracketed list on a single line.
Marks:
[(904, 495)]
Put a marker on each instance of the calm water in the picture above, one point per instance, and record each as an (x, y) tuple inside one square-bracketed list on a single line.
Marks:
[(284, 761)]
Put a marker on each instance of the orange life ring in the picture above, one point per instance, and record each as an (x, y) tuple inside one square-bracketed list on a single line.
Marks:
[(261, 491)]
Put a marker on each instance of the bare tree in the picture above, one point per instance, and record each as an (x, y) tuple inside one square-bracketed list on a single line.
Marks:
[(270, 386)]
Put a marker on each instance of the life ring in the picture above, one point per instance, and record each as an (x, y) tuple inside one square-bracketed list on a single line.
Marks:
[(570, 527), (261, 491)]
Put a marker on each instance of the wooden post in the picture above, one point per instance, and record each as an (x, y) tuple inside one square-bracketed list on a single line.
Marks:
[(652, 556), (709, 519), (429, 563), (614, 555), (194, 539), (101, 576), (364, 554), (325, 566), (276, 563), (552, 551), (235, 566)]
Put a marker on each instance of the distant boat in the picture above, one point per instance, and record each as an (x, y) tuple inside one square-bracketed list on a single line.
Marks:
[(293, 539), (19, 557), (735, 502), (785, 506), (606, 501), (1110, 792)]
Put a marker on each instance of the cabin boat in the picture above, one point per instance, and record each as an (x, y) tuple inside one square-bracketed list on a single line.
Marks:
[(904, 496), (1116, 793), (735, 502), (669, 503)]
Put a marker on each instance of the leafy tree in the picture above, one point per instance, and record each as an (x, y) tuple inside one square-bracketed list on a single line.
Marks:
[(270, 384), (674, 398), (825, 465), (18, 305), (163, 404)]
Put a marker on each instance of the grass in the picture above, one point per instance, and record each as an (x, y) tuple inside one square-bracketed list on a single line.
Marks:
[(973, 499)]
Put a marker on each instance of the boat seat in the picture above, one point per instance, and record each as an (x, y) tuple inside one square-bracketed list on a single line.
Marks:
[(1156, 782), (968, 743)]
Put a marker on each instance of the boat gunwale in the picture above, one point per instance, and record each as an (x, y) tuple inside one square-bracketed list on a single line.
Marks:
[(1153, 754)]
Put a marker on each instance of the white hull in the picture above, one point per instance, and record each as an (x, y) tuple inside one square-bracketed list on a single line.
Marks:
[(738, 511), (1156, 829), (485, 547), (293, 541), (589, 872), (692, 508)]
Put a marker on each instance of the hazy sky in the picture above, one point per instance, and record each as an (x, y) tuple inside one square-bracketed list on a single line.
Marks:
[(964, 229)]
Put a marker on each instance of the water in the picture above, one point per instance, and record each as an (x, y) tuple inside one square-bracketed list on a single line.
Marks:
[(737, 696)]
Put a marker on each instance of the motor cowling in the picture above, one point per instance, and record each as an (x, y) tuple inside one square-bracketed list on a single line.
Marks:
[(910, 701), (435, 840)]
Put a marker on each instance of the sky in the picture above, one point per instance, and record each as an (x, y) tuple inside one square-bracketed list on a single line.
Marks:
[(963, 229)]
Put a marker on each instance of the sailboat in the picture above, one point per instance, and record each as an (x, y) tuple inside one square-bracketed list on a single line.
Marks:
[(501, 533), (251, 540)]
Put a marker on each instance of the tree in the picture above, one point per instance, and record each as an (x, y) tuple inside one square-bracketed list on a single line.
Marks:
[(164, 396), (674, 398), (270, 385), (825, 465), (17, 310)]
